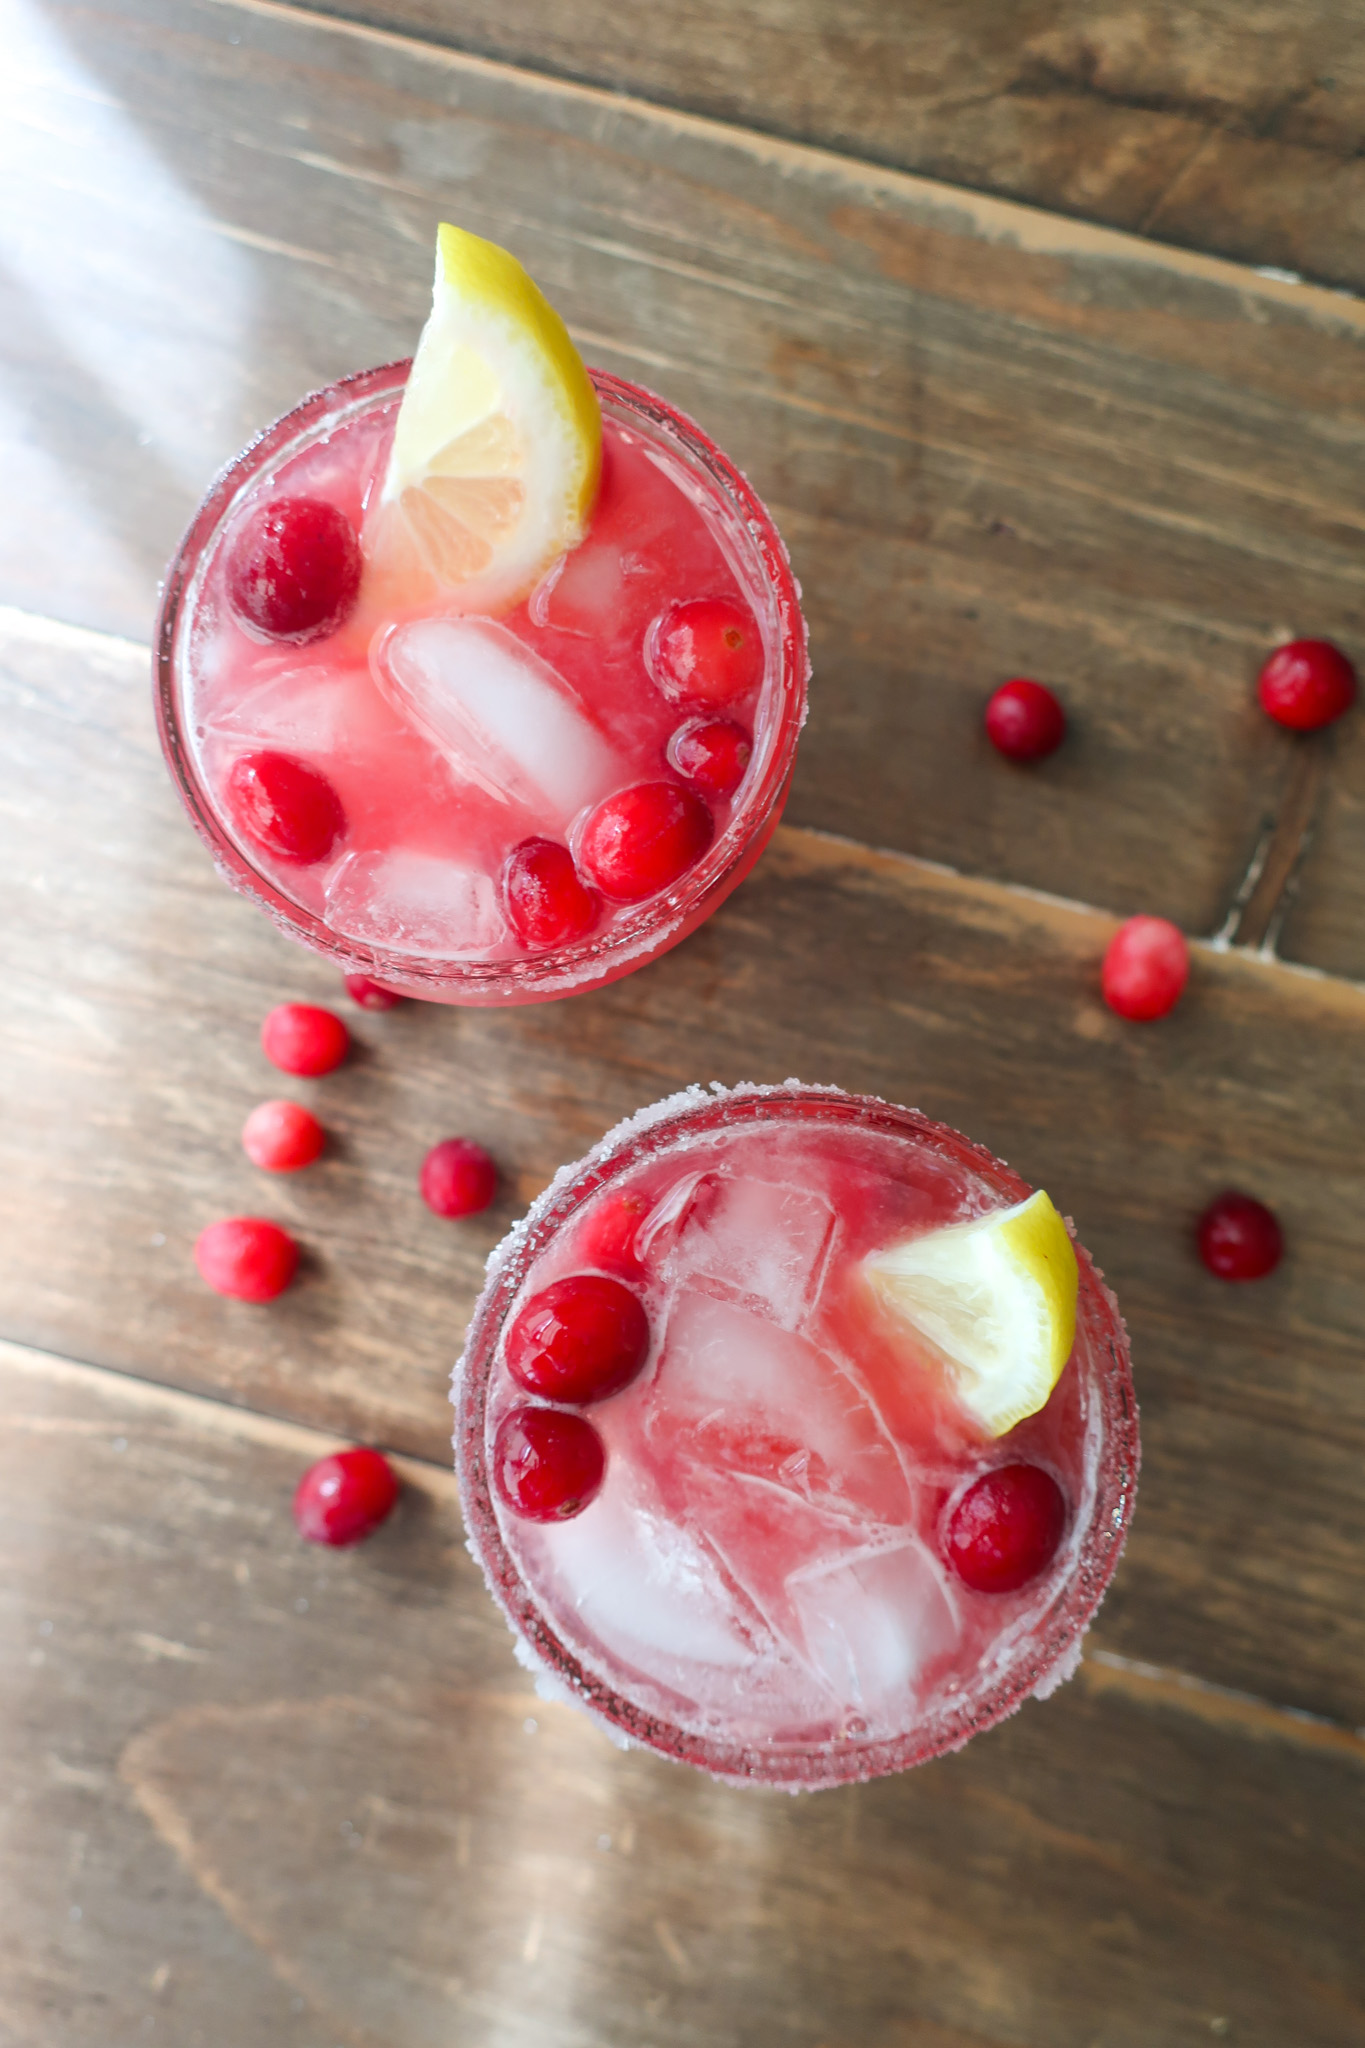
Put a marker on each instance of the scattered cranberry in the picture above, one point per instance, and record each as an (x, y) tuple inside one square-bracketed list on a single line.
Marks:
[(1306, 684), (246, 1257), (547, 1464), (606, 1236), (1006, 1528), (285, 807), (295, 569), (642, 839), (371, 995), (344, 1498), (1025, 721), (1239, 1238), (547, 904), (458, 1178), (282, 1137), (708, 648), (1145, 968), (579, 1339), (712, 754), (299, 1039)]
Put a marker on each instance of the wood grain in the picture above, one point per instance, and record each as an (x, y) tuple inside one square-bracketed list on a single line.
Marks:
[(1220, 128), (256, 1792), (998, 442), (135, 988)]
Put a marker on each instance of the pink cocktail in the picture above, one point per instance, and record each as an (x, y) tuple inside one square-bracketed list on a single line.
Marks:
[(776, 1574), (451, 805)]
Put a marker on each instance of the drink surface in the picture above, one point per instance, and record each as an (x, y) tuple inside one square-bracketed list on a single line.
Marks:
[(449, 741), (764, 1570)]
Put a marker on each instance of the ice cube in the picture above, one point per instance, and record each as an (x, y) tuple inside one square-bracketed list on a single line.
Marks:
[(731, 1389), (874, 1622), (329, 713), (644, 1587), (763, 1533), (767, 1243), (503, 718), (415, 903)]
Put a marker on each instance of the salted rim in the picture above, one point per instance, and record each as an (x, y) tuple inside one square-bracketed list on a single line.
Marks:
[(1053, 1646), (634, 939)]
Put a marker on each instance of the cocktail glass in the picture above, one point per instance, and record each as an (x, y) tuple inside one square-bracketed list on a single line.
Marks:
[(760, 1587)]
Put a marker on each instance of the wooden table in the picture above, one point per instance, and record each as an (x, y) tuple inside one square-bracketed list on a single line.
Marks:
[(253, 1792)]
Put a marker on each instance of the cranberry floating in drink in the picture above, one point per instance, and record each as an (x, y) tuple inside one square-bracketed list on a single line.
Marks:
[(483, 674), (795, 1436)]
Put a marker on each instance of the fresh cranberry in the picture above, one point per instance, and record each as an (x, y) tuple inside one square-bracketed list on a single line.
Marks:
[(707, 649), (1006, 1528), (1025, 721), (712, 754), (579, 1339), (547, 1464), (344, 1498), (642, 839), (371, 995), (1306, 683), (547, 904), (282, 1137), (1145, 968), (606, 1236), (301, 1039), (295, 569), (1239, 1238), (458, 1178), (285, 807), (246, 1257)]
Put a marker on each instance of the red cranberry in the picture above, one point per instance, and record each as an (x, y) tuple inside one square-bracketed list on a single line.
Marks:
[(1239, 1238), (344, 1498), (1306, 684), (712, 754), (246, 1257), (1145, 968), (547, 904), (282, 1137), (547, 1464), (1025, 721), (707, 648), (606, 1236), (579, 1339), (1006, 1528), (458, 1178), (371, 995), (285, 807), (294, 573), (642, 839), (300, 1039)]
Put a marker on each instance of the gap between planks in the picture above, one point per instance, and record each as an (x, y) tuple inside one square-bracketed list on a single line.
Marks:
[(1249, 931), (1101, 1671)]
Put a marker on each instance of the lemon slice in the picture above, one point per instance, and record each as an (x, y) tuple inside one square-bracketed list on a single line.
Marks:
[(498, 446), (996, 1298)]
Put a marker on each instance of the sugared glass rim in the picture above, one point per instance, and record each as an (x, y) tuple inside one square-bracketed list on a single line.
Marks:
[(633, 940), (1054, 1644)]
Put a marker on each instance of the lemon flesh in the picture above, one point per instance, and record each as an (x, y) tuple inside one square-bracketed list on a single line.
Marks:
[(996, 1298), (497, 449)]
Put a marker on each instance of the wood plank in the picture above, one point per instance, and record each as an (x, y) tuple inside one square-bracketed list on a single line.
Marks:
[(256, 1792), (1324, 912), (1196, 123), (135, 986), (997, 441)]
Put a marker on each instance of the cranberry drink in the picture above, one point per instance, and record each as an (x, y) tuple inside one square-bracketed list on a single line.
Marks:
[(796, 1438), (484, 678)]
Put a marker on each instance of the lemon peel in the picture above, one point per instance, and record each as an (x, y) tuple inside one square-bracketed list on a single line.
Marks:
[(996, 1298)]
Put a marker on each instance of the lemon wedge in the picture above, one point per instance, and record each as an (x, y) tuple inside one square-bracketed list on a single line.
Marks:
[(996, 1298), (498, 445)]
